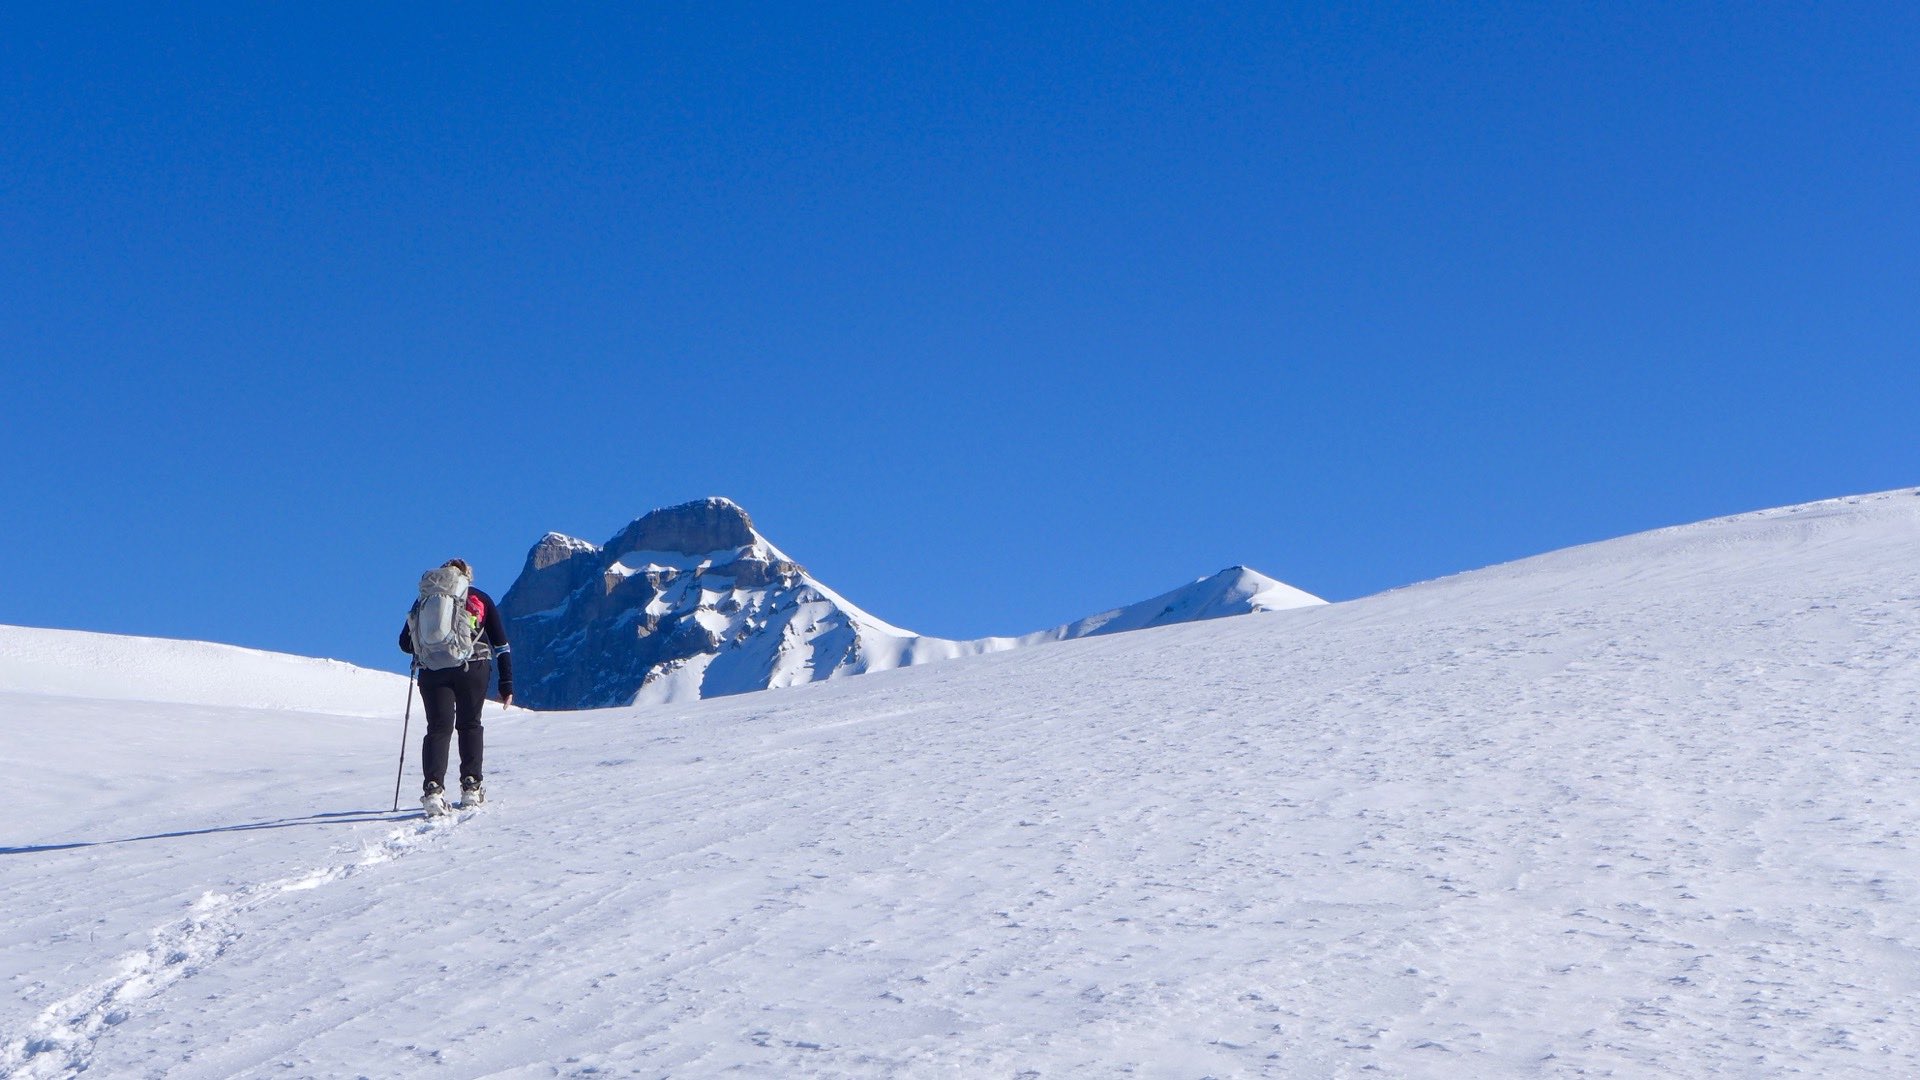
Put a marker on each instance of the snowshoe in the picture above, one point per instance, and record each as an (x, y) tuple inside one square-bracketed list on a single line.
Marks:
[(472, 794), (434, 802)]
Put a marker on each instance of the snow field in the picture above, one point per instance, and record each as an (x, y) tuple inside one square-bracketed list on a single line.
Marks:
[(1644, 808)]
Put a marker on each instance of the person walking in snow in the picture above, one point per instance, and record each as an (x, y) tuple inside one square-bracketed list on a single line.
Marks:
[(454, 633)]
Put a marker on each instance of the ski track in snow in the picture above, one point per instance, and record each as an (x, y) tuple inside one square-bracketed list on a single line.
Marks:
[(60, 1042)]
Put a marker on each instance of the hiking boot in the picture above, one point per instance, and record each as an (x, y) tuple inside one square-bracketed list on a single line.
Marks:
[(434, 802), (471, 793)]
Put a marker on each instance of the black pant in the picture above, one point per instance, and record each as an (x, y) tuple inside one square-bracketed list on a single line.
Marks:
[(453, 698)]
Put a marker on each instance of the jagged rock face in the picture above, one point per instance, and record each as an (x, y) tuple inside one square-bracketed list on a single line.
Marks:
[(691, 601), (693, 528), (556, 567)]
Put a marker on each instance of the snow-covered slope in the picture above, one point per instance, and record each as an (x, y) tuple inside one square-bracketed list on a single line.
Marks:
[(1644, 808), (692, 602), (70, 663)]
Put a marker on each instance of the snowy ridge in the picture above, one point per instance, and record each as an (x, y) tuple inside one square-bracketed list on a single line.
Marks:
[(1236, 590), (1640, 808), (692, 602), (71, 663)]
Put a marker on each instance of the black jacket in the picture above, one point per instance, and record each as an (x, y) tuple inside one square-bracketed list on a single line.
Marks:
[(493, 634)]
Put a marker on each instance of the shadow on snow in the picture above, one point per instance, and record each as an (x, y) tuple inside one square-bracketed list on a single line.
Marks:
[(343, 817)]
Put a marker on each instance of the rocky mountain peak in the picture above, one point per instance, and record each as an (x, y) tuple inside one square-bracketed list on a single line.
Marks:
[(694, 528), (555, 548)]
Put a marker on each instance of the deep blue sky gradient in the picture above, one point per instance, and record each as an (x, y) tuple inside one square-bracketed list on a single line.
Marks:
[(993, 317)]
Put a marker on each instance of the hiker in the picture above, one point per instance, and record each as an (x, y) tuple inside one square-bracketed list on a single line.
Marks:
[(454, 633)]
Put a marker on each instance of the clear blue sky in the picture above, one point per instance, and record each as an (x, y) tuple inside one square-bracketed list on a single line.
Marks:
[(994, 317)]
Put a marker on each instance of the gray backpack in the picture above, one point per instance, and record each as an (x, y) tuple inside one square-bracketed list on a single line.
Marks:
[(445, 626)]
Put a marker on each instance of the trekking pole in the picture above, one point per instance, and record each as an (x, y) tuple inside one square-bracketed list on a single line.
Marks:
[(406, 722)]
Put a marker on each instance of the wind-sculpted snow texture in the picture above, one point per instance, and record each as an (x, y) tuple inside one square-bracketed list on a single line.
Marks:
[(691, 602), (1645, 808)]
